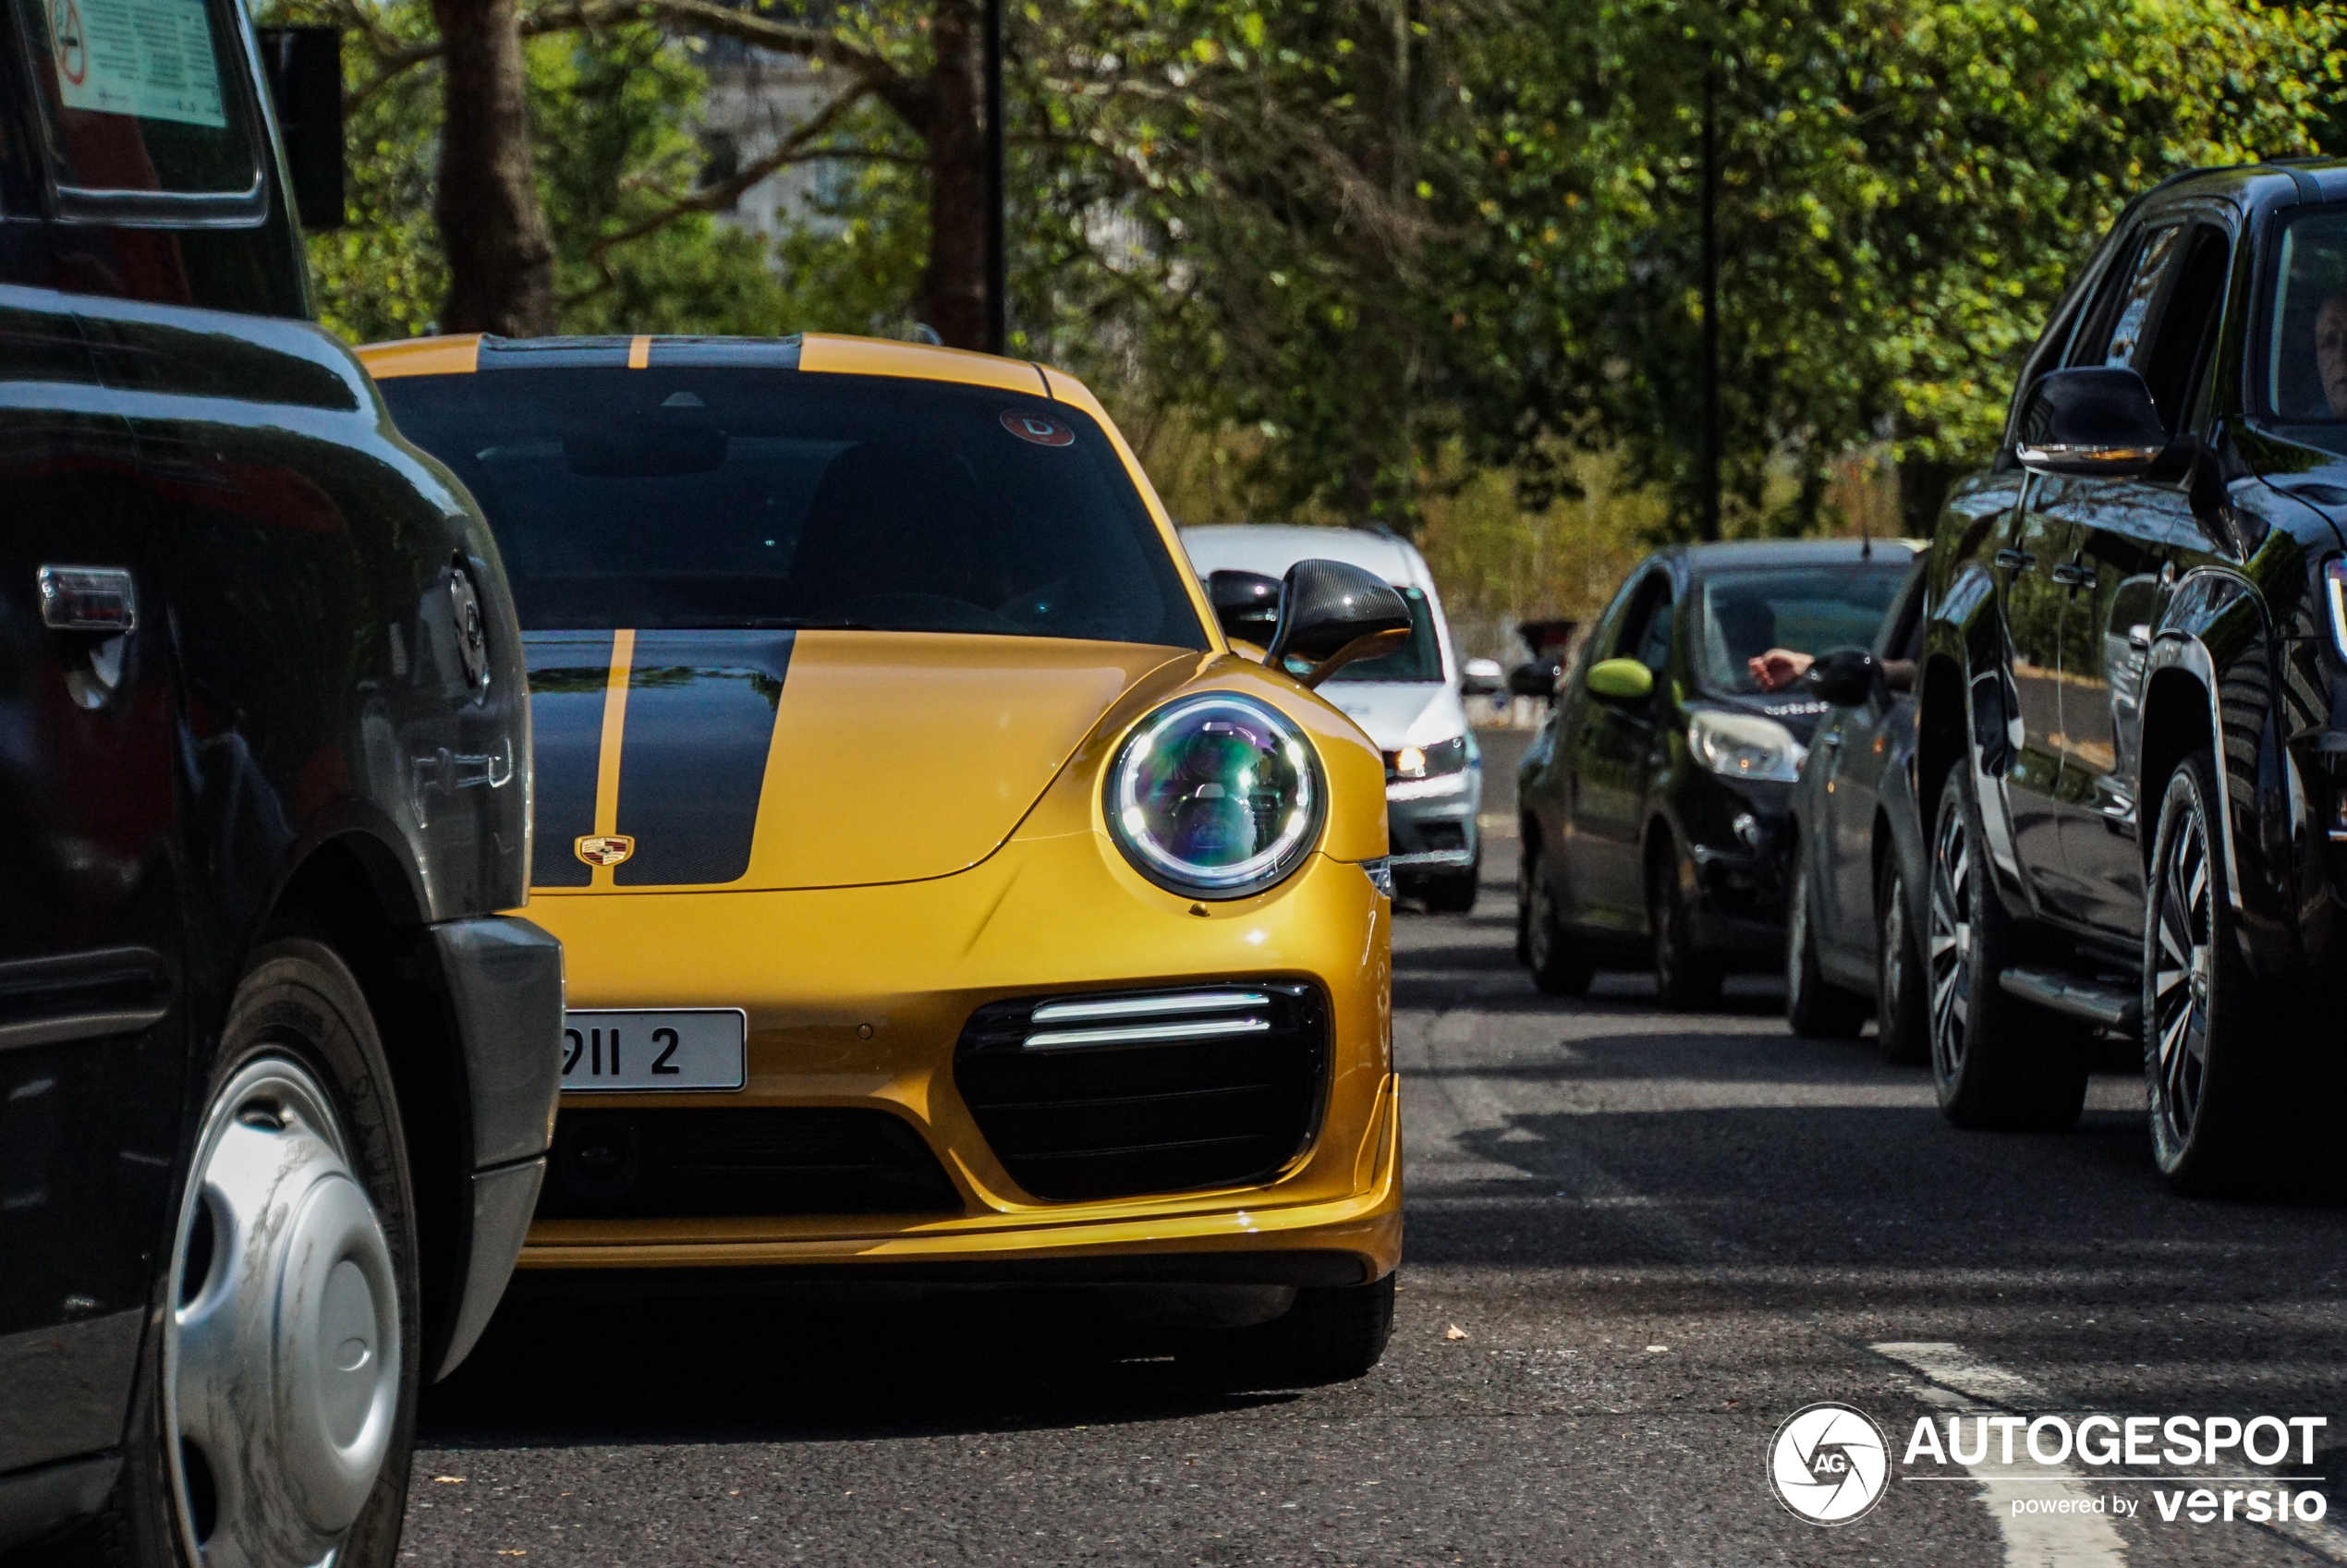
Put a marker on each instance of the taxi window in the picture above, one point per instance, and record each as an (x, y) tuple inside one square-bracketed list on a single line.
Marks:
[(716, 497), (142, 97)]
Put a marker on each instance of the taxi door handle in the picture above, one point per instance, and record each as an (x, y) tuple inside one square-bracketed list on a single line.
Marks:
[(2074, 576), (1833, 739), (2015, 560)]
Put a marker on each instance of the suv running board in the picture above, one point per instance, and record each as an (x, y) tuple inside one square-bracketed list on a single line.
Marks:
[(2095, 1001)]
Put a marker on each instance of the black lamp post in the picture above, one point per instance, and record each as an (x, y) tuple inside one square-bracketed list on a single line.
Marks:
[(1708, 463)]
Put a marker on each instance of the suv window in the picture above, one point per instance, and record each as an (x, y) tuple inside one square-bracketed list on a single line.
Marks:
[(142, 97), (2158, 315), (2302, 372)]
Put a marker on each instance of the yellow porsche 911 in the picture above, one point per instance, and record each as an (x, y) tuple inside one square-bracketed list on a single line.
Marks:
[(942, 897)]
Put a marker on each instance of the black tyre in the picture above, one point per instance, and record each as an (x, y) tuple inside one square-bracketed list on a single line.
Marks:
[(276, 1406), (1454, 892), (1815, 1006), (1560, 966), (1902, 1006), (1996, 1061), (1687, 979), (2206, 1038)]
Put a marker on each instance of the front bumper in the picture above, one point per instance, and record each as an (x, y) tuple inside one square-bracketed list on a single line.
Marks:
[(1432, 827), (1738, 836), (505, 981), (856, 999)]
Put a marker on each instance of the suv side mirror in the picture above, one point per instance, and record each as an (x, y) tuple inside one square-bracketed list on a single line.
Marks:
[(1846, 677), (304, 68), (2093, 420), (1333, 614), (1247, 604), (1623, 680), (1481, 677)]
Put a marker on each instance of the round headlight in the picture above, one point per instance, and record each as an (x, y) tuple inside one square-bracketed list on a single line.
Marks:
[(1215, 797)]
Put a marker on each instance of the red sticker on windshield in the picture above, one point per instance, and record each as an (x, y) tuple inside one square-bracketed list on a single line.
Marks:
[(1040, 428)]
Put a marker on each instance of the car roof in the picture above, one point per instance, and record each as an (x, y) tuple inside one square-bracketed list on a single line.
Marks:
[(1695, 560), (1272, 548), (825, 352)]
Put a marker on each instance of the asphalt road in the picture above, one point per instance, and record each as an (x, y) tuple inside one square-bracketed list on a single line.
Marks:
[(1637, 1243)]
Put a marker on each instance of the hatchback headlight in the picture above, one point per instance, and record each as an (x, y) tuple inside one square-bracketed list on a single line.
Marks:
[(1744, 745), (1215, 797)]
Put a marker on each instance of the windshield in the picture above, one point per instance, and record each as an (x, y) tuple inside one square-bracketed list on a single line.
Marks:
[(1420, 659), (700, 497), (1810, 609), (2304, 378)]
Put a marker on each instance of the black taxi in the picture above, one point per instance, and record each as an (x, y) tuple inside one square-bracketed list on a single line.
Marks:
[(277, 1079)]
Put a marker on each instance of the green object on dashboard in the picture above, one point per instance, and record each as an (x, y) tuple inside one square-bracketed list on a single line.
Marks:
[(1624, 678)]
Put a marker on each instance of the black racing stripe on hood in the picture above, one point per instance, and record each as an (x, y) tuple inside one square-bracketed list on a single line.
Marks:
[(700, 722), (569, 672)]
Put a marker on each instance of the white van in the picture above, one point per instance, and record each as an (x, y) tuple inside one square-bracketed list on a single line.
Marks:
[(1408, 702)]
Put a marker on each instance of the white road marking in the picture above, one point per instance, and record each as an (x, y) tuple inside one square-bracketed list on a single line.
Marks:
[(2032, 1540), (1962, 1384)]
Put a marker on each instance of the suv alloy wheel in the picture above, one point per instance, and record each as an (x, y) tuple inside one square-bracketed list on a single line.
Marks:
[(1996, 1061)]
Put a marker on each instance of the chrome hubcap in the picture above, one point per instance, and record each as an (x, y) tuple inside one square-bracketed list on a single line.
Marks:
[(281, 1353), (1947, 948), (2182, 970)]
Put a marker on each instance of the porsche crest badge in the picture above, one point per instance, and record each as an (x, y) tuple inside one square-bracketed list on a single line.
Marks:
[(598, 849)]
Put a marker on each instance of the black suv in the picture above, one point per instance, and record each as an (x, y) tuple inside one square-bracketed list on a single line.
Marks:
[(2132, 738), (275, 1078)]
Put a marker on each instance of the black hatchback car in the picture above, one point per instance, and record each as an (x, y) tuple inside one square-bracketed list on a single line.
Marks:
[(1654, 801), (2133, 697), (277, 1076)]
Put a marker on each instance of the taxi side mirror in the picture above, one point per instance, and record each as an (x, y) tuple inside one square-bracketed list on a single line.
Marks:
[(1247, 605), (1333, 613), (1847, 677), (1623, 680)]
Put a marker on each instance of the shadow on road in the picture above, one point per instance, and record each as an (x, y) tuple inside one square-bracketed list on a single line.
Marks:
[(711, 1368)]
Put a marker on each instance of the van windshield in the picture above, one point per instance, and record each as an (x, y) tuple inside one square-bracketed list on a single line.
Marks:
[(706, 497)]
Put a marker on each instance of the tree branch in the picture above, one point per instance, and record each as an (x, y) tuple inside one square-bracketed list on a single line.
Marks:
[(793, 148)]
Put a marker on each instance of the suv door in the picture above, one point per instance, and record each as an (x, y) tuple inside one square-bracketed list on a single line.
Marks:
[(91, 1055), (1610, 750)]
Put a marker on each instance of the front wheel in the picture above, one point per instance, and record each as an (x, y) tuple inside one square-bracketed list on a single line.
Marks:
[(1688, 980), (1902, 1023), (1815, 1006), (2203, 1038), (1996, 1061), (275, 1406), (1560, 966)]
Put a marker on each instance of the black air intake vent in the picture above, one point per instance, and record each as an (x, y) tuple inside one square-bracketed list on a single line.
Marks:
[(739, 1160), (1118, 1094)]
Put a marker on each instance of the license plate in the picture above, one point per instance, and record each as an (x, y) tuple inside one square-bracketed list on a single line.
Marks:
[(695, 1048)]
